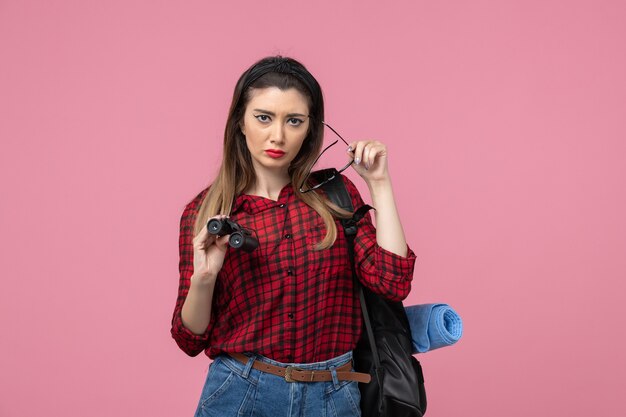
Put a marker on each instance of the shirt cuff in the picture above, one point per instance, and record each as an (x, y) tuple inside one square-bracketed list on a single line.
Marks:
[(394, 265), (180, 332)]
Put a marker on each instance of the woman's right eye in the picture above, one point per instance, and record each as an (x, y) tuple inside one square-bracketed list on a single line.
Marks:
[(263, 118)]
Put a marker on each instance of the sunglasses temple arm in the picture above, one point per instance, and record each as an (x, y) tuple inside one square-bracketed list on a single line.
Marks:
[(336, 133)]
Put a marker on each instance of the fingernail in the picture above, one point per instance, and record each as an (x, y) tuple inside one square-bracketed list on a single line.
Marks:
[(357, 161), (367, 166), (349, 148)]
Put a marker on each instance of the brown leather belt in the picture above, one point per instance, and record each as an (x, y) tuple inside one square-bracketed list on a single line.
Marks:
[(293, 374)]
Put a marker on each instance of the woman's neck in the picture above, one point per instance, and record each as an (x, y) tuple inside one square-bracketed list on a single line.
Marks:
[(268, 185)]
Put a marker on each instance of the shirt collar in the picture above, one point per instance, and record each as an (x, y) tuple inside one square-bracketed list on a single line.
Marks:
[(252, 204)]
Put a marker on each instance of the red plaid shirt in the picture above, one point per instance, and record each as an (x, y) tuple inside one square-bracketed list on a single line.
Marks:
[(286, 300)]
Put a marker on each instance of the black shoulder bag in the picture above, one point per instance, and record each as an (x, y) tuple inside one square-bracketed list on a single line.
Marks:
[(384, 351)]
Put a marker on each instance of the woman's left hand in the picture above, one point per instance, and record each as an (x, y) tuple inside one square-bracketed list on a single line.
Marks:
[(370, 159)]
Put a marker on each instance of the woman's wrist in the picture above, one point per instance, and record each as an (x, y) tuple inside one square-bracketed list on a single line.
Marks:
[(203, 283), (379, 187)]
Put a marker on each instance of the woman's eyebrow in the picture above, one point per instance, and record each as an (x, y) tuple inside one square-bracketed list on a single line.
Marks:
[(274, 114)]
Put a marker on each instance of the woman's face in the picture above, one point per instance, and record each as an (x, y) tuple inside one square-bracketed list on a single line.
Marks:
[(275, 124)]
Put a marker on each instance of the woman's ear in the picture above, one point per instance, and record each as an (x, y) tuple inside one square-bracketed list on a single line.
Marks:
[(242, 127)]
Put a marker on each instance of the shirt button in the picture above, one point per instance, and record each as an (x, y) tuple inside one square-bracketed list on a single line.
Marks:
[(281, 206), (290, 271), (287, 236), (290, 315)]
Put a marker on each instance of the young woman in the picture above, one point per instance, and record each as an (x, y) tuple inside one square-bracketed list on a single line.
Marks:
[(280, 321)]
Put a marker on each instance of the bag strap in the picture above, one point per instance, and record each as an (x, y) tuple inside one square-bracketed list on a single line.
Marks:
[(338, 194)]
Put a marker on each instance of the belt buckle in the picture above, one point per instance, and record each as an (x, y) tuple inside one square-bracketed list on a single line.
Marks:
[(288, 371)]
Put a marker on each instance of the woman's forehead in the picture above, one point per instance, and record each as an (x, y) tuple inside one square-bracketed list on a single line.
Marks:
[(276, 100)]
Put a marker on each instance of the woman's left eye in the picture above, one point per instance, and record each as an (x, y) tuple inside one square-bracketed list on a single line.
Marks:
[(295, 122)]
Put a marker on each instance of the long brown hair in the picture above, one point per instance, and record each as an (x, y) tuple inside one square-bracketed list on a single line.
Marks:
[(237, 174)]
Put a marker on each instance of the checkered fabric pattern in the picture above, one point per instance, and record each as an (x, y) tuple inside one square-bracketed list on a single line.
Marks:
[(285, 300)]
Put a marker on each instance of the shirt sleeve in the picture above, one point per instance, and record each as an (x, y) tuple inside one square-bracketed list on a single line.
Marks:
[(191, 343), (383, 272)]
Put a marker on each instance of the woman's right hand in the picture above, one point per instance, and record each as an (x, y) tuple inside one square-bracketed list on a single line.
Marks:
[(208, 255)]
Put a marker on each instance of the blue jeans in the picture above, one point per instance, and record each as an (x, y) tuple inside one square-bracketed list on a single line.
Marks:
[(235, 389)]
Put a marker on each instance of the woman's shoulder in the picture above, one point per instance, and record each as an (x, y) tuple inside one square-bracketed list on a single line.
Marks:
[(197, 200), (192, 207)]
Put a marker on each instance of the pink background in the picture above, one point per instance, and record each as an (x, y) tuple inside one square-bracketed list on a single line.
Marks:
[(505, 122)]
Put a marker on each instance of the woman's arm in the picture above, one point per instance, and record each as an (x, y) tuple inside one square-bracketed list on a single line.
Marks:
[(389, 232), (370, 162), (385, 263), (192, 313), (208, 257), (196, 311)]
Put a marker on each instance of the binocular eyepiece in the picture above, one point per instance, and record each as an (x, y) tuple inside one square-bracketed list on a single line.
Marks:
[(239, 237)]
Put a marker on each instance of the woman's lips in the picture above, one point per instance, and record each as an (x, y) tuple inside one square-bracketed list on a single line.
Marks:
[(274, 153)]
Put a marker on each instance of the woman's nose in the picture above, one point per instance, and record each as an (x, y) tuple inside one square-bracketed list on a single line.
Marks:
[(278, 133)]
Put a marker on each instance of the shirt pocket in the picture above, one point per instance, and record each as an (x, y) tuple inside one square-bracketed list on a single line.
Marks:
[(313, 259), (331, 261)]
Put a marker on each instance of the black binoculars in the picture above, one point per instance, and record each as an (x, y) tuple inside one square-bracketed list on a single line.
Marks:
[(239, 237)]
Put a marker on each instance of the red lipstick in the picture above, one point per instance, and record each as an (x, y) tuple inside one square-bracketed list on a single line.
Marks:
[(274, 153)]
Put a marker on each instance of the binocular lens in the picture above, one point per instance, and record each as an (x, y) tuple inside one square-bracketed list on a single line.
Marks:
[(236, 240), (214, 226), (219, 227), (239, 240)]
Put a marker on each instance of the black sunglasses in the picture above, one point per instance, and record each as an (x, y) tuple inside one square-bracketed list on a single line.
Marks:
[(334, 172)]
